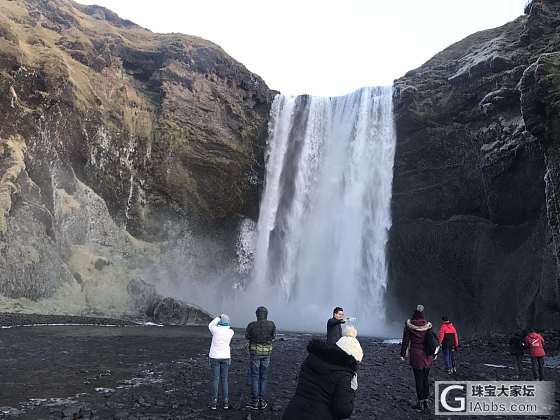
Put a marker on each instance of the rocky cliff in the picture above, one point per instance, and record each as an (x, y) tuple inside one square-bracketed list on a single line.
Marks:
[(110, 137), (129, 159), (475, 215), (540, 96)]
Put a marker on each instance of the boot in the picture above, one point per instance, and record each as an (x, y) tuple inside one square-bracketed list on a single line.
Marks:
[(419, 405), (425, 406)]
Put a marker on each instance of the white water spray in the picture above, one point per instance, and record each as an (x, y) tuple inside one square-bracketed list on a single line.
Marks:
[(325, 212), (322, 232)]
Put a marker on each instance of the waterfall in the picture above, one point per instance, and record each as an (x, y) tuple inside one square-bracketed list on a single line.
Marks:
[(325, 210)]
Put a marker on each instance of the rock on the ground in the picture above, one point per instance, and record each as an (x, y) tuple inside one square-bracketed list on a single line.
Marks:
[(174, 312)]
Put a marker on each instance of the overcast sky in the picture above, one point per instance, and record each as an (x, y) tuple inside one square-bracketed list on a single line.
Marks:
[(323, 47)]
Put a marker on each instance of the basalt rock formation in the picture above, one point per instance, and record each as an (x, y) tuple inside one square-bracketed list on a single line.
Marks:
[(110, 137), (475, 216)]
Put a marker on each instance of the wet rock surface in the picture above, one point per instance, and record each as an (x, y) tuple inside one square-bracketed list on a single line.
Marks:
[(162, 373)]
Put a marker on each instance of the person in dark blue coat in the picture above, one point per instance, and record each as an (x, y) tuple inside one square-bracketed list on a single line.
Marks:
[(328, 380)]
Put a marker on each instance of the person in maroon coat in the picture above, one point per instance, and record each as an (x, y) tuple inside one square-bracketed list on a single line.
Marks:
[(415, 330)]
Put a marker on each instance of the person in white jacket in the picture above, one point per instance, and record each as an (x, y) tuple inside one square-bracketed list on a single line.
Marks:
[(220, 357)]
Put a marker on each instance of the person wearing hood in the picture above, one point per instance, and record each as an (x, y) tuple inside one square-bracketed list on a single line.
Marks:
[(449, 341), (414, 333), (220, 358), (535, 346), (328, 380), (260, 334)]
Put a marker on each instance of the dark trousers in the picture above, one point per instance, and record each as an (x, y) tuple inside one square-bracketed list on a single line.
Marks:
[(259, 376), (421, 377), (537, 364), (518, 360), (220, 370), (448, 358)]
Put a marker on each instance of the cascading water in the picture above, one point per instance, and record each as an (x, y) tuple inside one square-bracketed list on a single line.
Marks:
[(325, 212)]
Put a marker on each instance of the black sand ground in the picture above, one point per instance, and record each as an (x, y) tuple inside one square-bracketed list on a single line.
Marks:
[(135, 372)]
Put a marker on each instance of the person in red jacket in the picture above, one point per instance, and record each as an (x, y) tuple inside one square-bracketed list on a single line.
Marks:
[(534, 342), (449, 342)]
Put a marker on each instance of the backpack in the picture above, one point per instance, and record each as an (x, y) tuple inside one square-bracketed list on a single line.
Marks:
[(431, 343)]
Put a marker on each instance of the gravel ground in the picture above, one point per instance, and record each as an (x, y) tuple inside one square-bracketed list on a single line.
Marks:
[(140, 372)]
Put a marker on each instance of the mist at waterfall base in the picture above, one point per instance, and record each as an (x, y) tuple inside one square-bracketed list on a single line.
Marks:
[(321, 237)]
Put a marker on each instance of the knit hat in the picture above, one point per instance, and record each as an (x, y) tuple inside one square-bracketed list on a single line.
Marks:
[(349, 344), (419, 312), (224, 320)]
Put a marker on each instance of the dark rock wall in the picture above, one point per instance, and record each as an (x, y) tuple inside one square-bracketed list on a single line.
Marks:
[(471, 236)]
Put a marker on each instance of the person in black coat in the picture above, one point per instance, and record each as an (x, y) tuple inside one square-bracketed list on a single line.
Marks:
[(260, 334), (327, 381), (516, 349), (334, 325)]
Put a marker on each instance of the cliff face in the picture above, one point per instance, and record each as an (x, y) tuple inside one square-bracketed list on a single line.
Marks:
[(109, 136), (540, 96), (128, 159), (472, 231)]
